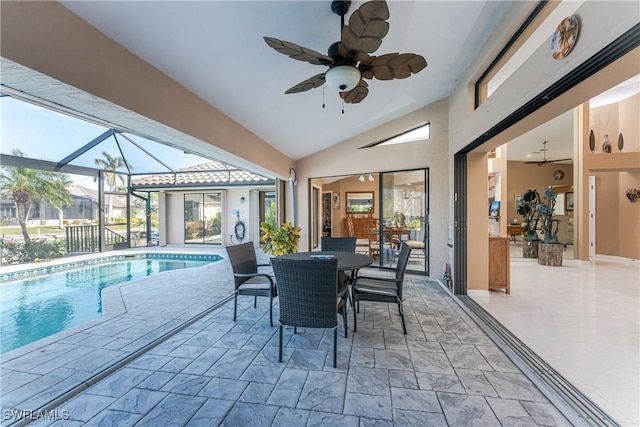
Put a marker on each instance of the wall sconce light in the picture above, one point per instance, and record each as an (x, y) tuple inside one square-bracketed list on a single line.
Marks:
[(242, 199), (371, 179), (361, 178)]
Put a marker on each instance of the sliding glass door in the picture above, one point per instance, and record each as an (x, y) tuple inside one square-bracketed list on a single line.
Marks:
[(404, 217), (203, 218)]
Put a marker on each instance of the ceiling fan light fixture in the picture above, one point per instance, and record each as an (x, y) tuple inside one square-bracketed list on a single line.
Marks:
[(342, 78)]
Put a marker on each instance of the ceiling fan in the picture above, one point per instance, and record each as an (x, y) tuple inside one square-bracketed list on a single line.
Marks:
[(544, 154), (348, 60)]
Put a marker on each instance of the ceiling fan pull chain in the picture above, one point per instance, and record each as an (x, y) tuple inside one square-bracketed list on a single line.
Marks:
[(322, 96), (342, 106)]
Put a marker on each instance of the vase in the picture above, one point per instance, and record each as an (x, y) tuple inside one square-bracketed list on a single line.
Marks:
[(620, 142), (606, 145), (592, 141), (530, 248), (550, 254)]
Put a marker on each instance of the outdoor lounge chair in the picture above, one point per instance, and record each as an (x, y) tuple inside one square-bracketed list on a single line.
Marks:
[(247, 279), (308, 296)]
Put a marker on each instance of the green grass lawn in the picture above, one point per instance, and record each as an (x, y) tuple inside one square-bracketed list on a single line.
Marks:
[(15, 230)]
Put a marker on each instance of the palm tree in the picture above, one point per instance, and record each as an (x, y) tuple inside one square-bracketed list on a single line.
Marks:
[(61, 199), (111, 163), (26, 186)]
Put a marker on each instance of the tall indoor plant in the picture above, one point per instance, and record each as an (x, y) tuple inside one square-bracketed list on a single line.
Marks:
[(550, 249), (530, 201), (279, 240)]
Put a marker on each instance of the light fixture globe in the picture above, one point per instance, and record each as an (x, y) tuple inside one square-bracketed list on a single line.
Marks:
[(342, 78)]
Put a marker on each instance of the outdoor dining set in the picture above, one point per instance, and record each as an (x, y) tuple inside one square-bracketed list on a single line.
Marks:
[(313, 288)]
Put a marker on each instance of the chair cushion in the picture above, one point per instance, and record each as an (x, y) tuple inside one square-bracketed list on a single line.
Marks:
[(256, 283), (415, 244), (374, 286)]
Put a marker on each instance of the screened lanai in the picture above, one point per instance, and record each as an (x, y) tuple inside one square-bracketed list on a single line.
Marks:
[(119, 180)]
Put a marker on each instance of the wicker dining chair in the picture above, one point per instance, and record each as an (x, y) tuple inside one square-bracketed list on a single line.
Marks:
[(382, 289), (341, 244), (308, 297), (248, 281)]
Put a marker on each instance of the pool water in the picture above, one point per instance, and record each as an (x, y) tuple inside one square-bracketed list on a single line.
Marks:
[(36, 308)]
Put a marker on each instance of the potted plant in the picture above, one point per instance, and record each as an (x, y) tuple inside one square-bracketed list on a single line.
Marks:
[(530, 201), (279, 240), (550, 249)]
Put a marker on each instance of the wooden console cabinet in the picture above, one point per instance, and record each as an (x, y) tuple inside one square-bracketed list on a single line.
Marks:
[(499, 268)]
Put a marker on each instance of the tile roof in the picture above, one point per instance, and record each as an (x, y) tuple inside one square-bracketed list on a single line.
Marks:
[(214, 174)]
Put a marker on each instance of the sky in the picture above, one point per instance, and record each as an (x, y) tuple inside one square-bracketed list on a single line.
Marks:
[(48, 135)]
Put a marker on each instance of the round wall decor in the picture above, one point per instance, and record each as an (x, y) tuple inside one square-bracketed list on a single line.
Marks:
[(558, 174), (565, 37)]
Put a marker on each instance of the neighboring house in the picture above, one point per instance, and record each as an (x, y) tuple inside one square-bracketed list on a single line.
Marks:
[(202, 204), (84, 207)]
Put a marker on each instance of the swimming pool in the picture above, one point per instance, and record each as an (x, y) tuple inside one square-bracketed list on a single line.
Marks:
[(37, 307)]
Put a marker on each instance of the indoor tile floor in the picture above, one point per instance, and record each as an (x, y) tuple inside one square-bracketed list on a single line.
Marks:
[(583, 319)]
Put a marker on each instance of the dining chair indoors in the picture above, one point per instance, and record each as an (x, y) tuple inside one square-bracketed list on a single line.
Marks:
[(382, 289), (248, 281), (308, 296)]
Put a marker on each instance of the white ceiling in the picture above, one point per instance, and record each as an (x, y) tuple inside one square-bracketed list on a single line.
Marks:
[(216, 50)]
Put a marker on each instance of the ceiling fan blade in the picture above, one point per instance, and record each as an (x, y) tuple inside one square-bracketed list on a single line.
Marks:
[(310, 83), (393, 66), (367, 27), (356, 94), (300, 53), (558, 160)]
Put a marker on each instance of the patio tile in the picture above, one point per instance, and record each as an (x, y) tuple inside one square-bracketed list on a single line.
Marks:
[(250, 414), (465, 356), (174, 409), (188, 351), (403, 379), (156, 380), (186, 384), (474, 382), (307, 359), (323, 391), (11, 380), (514, 386), (403, 417), (204, 338), (120, 382), (463, 410), (262, 374), (416, 400), (221, 388), (287, 417), (545, 414), (431, 362), (368, 381), (497, 359), (392, 359), (256, 393), (175, 365), (288, 388), (204, 361), (110, 418), (361, 356), (86, 406), (317, 418), (99, 358), (367, 405), (211, 413), (510, 412), (232, 364), (440, 382), (138, 401)]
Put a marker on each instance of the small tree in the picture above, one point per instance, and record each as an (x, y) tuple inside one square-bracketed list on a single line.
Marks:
[(26, 186)]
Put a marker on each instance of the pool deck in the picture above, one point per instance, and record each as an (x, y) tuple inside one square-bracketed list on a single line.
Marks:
[(166, 352)]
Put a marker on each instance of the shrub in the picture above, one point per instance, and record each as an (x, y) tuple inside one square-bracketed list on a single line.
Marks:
[(21, 252)]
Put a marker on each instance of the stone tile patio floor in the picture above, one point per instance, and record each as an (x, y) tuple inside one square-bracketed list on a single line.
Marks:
[(445, 371)]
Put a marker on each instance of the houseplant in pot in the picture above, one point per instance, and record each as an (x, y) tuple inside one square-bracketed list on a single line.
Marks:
[(530, 201), (279, 240), (550, 249)]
